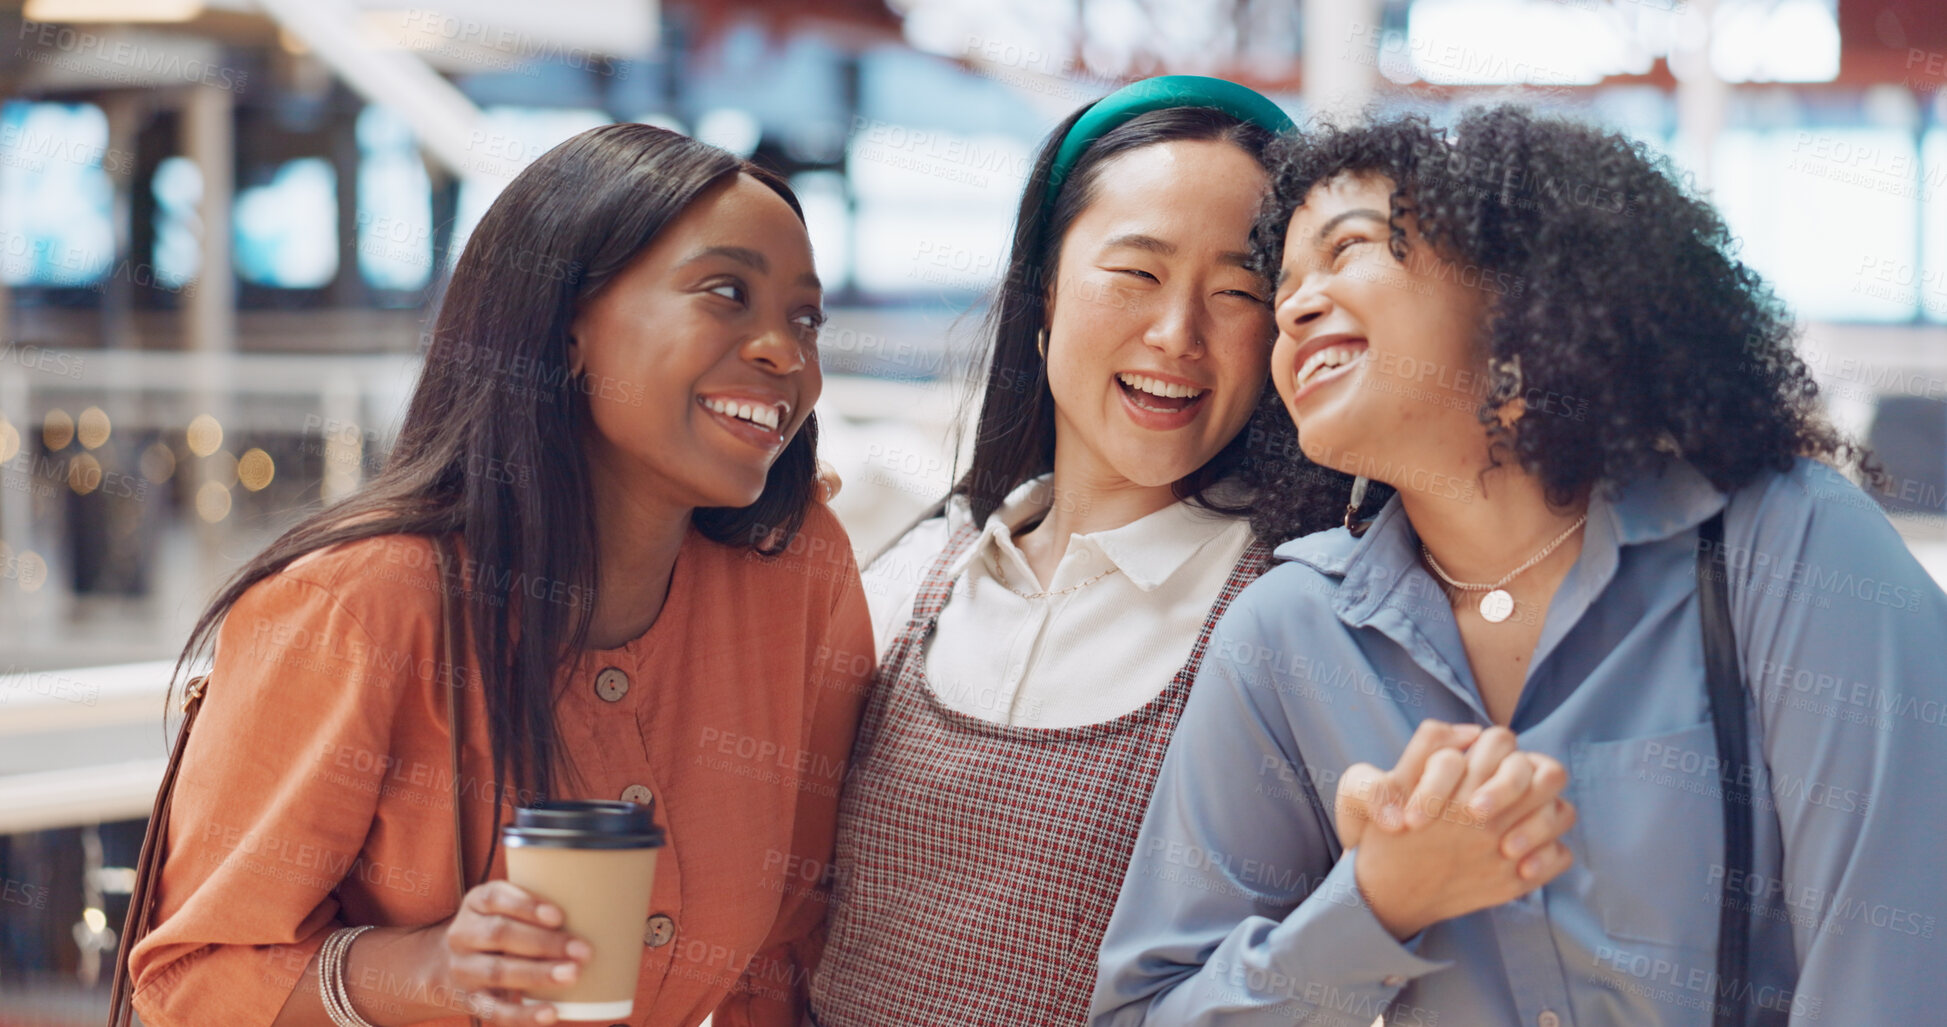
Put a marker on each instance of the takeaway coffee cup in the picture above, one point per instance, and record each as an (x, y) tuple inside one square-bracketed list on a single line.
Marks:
[(596, 860)]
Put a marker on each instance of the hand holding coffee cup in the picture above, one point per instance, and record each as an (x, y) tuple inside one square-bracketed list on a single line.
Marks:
[(504, 941), (595, 861)]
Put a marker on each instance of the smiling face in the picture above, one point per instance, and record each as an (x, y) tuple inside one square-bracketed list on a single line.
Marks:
[(700, 357), (1377, 360), (1157, 331)]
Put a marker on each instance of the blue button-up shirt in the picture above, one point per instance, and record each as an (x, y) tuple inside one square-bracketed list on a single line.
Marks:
[(1234, 911)]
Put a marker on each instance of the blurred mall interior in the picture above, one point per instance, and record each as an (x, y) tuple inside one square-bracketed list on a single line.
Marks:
[(222, 223)]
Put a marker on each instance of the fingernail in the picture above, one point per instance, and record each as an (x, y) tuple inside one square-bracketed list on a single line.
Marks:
[(1388, 815), (563, 972), (545, 1014), (551, 914), (1517, 847), (580, 949)]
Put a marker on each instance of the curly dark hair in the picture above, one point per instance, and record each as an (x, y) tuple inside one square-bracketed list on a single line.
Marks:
[(1615, 294)]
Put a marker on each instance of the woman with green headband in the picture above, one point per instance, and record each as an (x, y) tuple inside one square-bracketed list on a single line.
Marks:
[(1038, 638)]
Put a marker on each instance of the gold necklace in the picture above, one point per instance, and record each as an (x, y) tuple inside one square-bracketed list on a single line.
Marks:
[(1497, 605), (1000, 573)]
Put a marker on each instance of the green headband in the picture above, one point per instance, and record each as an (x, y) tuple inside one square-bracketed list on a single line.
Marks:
[(1155, 94)]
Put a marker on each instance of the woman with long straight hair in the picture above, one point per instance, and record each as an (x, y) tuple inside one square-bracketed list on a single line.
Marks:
[(1039, 636), (1613, 529), (614, 424)]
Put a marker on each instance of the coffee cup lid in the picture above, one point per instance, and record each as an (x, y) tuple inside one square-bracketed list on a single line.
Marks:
[(584, 824)]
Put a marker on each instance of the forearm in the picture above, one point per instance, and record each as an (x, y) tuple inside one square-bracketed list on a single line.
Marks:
[(390, 978), (1325, 961)]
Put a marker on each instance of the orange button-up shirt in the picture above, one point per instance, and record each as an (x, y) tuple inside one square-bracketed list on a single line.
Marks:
[(316, 789)]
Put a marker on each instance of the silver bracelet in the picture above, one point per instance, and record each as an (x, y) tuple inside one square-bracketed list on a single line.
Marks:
[(331, 977)]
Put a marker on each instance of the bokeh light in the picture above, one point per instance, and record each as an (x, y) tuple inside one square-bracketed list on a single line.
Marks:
[(212, 502), (57, 430), (204, 435), (255, 469), (84, 474), (94, 428)]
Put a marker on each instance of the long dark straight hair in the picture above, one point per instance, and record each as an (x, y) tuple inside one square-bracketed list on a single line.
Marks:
[(1014, 439), (491, 447)]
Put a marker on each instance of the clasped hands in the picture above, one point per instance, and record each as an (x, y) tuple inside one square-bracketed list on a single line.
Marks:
[(1465, 821)]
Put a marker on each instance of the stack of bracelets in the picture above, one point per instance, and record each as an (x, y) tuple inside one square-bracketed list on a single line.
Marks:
[(331, 977)]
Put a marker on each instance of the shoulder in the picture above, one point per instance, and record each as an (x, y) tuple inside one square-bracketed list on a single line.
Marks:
[(376, 584), (1812, 504), (821, 539), (893, 580), (342, 628), (815, 570), (1307, 570), (1809, 539), (1291, 599), (366, 566)]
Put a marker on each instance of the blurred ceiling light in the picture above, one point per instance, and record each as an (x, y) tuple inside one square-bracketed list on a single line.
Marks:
[(57, 430), (731, 128), (204, 435), (212, 502), (94, 428), (112, 10), (84, 474), (256, 469), (1792, 41), (1491, 42)]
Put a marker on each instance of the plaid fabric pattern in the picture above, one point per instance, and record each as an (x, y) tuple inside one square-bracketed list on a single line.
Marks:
[(977, 863)]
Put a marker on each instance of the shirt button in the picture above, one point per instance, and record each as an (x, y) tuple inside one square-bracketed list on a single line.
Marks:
[(637, 794), (1548, 1019), (612, 684), (657, 932), (1394, 981)]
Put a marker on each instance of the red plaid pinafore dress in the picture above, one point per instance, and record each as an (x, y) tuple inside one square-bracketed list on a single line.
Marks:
[(977, 863)]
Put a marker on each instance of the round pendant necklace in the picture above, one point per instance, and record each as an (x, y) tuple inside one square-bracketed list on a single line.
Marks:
[(1497, 605)]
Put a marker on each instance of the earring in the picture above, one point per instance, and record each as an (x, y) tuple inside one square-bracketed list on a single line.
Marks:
[(1512, 368), (1041, 342), (1352, 506)]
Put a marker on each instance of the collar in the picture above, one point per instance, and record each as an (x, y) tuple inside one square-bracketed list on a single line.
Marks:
[(1148, 550), (1673, 498)]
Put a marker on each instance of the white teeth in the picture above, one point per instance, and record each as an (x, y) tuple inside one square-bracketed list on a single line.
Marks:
[(767, 416), (1331, 356), (1167, 390)]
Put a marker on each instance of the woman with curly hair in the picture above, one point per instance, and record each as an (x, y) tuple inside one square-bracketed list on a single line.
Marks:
[(1613, 537)]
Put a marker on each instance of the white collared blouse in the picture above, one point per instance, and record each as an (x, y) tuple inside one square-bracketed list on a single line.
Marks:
[(1123, 612)]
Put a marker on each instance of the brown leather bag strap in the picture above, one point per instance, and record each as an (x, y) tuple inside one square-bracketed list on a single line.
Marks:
[(148, 866)]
